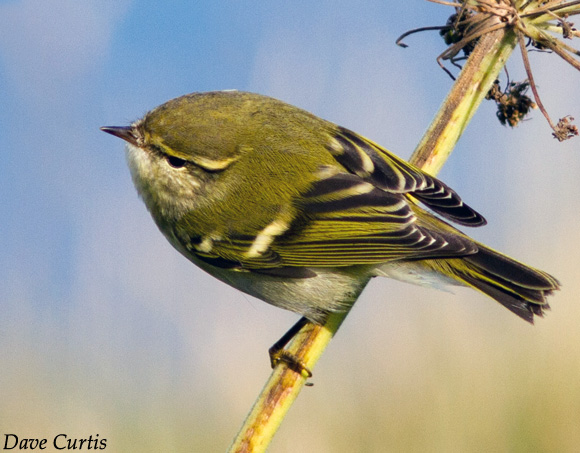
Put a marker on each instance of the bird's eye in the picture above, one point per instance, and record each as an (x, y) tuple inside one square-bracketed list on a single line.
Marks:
[(176, 162)]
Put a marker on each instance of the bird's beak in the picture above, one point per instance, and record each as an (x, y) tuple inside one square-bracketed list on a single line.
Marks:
[(126, 133)]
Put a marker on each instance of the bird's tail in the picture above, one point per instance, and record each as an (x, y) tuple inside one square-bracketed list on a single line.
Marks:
[(519, 288)]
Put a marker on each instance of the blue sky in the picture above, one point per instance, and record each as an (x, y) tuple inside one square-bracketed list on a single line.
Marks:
[(101, 318)]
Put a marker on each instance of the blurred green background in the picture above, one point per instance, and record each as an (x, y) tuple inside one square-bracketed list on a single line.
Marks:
[(105, 329)]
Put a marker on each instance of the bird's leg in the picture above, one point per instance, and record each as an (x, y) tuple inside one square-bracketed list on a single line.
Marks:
[(278, 353)]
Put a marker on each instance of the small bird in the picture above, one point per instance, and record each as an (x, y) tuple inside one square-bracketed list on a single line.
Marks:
[(302, 213)]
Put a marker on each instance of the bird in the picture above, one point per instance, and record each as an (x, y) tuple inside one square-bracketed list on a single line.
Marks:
[(302, 213)]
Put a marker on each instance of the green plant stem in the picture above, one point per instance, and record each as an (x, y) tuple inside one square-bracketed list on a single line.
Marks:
[(283, 387), (471, 87), (284, 384)]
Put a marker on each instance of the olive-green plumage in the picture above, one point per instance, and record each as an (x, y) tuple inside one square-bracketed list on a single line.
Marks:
[(302, 213)]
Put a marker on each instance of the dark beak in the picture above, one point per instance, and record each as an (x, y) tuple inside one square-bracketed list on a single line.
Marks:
[(126, 133)]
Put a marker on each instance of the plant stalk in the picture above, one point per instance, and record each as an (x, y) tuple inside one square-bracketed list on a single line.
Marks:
[(284, 384), (481, 70)]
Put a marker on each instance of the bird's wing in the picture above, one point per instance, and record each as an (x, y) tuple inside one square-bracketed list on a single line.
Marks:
[(342, 220), (388, 172)]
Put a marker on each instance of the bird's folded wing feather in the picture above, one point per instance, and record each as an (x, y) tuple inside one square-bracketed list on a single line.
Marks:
[(343, 221), (386, 171)]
